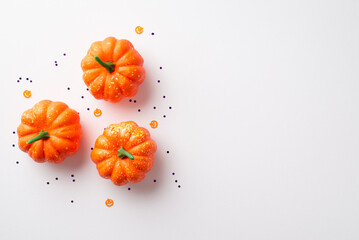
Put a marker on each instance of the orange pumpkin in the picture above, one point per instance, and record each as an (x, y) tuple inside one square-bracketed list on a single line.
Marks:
[(113, 69), (50, 131), (124, 152)]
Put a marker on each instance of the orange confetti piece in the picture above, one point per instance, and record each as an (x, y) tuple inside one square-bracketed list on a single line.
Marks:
[(154, 124), (139, 30), (97, 112), (27, 93), (109, 202)]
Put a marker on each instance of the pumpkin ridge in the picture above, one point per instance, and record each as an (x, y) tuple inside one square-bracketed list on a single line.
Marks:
[(100, 53), (34, 146), (128, 139), (107, 165), (113, 78), (142, 143), (47, 109), (73, 125), (141, 157), (99, 80), (58, 154), (132, 65), (64, 139), (133, 174), (122, 44), (107, 141), (23, 145), (93, 71), (50, 123), (118, 84), (111, 157), (57, 150), (144, 159), (125, 140), (88, 63), (118, 169), (109, 50), (36, 113), (124, 165), (134, 81), (148, 137), (114, 53), (110, 152), (107, 84), (36, 130), (124, 56)]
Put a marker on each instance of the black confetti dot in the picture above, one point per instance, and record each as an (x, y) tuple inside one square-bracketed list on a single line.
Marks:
[(154, 107), (164, 116), (73, 180), (179, 186), (47, 183), (134, 101), (56, 178), (176, 181), (170, 107), (130, 100), (87, 89), (88, 109), (18, 80), (152, 33), (168, 151), (173, 173), (72, 175), (27, 79), (128, 188), (17, 162), (72, 201), (82, 96), (56, 64), (64, 54), (155, 180), (13, 132), (91, 148), (139, 110), (158, 81), (30, 80), (13, 145), (164, 96), (68, 88), (160, 67)]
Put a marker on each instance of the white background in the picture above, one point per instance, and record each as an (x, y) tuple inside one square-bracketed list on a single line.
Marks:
[(263, 132)]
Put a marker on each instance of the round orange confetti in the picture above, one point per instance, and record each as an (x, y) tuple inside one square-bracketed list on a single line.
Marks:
[(97, 112), (154, 124), (27, 93), (109, 202), (139, 30)]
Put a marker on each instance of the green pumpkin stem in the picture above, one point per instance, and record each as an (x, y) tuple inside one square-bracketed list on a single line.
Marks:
[(42, 135), (110, 66), (123, 153)]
